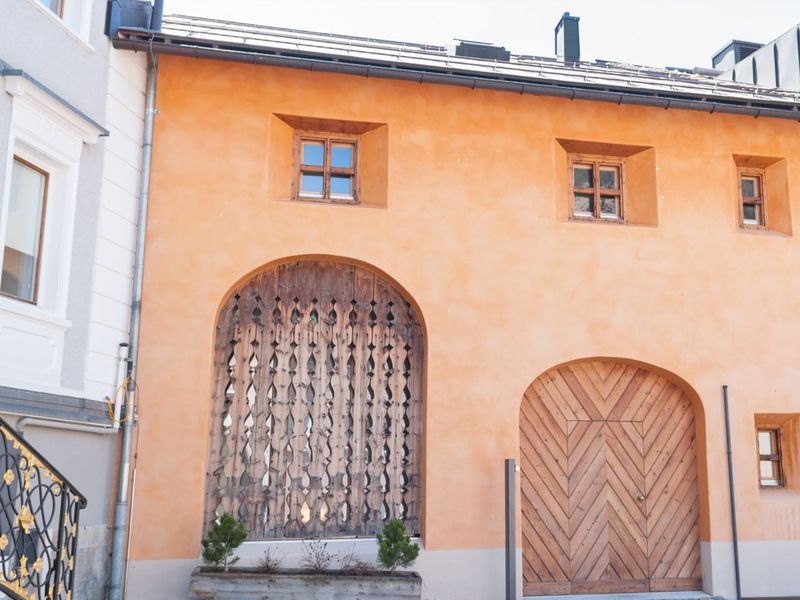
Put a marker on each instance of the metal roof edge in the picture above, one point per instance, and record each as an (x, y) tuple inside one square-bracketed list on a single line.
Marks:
[(150, 41)]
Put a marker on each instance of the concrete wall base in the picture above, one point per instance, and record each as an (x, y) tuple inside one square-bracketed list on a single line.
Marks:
[(769, 570), (91, 577), (446, 574), (240, 584)]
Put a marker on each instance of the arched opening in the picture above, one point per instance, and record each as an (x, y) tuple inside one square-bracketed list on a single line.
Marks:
[(316, 425), (610, 488)]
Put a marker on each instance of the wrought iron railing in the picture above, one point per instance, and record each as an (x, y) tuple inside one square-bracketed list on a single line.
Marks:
[(39, 512)]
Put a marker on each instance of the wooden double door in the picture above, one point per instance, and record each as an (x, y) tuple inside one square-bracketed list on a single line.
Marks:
[(608, 482)]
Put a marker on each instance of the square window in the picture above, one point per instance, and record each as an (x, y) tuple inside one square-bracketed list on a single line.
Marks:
[(24, 224), (597, 187), (313, 154), (584, 205), (342, 156), (609, 207), (751, 214), (325, 167), (311, 184), (749, 187), (341, 186), (583, 176), (609, 178)]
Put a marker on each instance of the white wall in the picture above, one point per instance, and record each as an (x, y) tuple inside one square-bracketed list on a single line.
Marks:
[(70, 346), (116, 228)]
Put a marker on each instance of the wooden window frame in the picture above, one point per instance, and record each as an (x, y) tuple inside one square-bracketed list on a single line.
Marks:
[(760, 200), (42, 216), (776, 458), (326, 170), (597, 162)]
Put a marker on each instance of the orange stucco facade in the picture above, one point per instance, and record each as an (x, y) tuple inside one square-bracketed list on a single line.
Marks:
[(508, 287)]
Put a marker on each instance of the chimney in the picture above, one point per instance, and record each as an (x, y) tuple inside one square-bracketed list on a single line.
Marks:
[(568, 39), (139, 14)]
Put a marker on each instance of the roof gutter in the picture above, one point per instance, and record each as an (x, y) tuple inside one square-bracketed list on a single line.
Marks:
[(422, 75)]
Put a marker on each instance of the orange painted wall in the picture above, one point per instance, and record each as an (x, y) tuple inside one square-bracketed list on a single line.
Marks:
[(507, 288)]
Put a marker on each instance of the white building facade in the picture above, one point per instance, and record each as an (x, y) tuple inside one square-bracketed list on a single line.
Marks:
[(71, 118)]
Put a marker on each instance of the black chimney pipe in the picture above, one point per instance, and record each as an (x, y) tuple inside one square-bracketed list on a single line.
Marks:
[(140, 14), (568, 39), (157, 16)]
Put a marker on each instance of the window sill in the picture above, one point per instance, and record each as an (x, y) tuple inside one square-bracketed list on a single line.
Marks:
[(762, 231), (622, 224), (324, 202), (575, 219), (776, 494), (32, 312), (83, 43)]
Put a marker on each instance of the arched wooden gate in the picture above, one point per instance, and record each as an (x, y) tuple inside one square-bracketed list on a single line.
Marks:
[(316, 424), (609, 482)]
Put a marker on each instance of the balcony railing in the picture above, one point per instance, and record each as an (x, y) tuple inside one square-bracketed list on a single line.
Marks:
[(39, 512)]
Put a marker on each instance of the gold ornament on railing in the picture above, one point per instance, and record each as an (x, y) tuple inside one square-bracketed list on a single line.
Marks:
[(25, 518)]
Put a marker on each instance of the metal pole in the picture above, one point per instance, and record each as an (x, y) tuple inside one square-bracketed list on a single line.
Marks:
[(511, 529), (118, 543), (733, 496)]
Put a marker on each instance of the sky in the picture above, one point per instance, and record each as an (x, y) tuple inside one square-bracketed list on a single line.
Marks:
[(680, 33)]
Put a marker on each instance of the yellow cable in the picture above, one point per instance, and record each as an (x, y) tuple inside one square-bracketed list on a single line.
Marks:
[(110, 401)]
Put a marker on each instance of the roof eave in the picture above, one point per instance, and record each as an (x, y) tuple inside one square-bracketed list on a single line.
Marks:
[(159, 42)]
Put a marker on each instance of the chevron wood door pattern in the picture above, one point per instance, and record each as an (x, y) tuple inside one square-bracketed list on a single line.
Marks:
[(609, 482)]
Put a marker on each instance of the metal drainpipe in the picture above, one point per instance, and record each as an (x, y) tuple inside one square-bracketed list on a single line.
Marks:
[(511, 529), (733, 497), (118, 545)]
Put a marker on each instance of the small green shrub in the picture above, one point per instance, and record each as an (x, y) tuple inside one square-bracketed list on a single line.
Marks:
[(395, 548), (224, 537)]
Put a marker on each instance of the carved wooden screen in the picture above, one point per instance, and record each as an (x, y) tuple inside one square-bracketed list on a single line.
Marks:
[(317, 411)]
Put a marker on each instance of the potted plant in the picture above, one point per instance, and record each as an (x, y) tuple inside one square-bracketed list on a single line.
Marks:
[(314, 577)]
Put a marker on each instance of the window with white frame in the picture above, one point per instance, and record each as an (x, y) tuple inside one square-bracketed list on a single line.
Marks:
[(23, 231), (74, 15), (38, 200)]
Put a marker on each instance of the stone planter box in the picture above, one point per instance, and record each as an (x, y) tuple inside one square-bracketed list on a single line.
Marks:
[(208, 583)]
